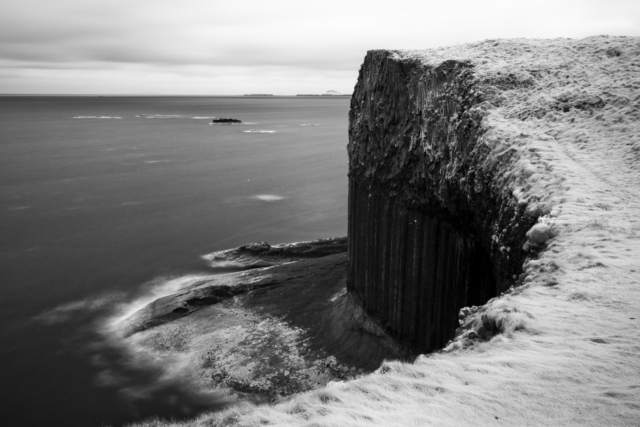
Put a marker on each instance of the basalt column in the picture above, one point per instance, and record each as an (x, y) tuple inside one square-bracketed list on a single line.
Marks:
[(412, 271), (424, 201)]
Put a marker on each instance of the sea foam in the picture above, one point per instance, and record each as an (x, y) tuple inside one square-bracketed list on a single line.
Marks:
[(267, 197), (160, 116)]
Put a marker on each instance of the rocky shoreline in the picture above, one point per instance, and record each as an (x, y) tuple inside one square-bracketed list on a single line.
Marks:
[(283, 324)]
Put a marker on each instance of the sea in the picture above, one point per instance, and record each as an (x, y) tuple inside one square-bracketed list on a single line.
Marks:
[(104, 198)]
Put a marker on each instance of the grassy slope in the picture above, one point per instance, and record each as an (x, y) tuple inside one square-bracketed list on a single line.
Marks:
[(575, 358)]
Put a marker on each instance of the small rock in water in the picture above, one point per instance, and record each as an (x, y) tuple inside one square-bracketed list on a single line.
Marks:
[(226, 121)]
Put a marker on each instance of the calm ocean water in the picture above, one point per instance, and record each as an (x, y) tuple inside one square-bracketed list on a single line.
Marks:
[(95, 211)]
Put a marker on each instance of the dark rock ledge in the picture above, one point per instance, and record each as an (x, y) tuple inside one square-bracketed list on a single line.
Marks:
[(267, 332), (261, 254)]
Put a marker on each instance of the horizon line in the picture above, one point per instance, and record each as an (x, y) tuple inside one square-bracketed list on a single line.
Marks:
[(169, 95)]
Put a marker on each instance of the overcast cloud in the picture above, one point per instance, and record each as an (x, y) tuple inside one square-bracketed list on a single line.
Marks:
[(202, 47)]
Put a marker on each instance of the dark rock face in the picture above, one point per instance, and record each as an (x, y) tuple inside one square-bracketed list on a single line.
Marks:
[(432, 225), (226, 121), (413, 271)]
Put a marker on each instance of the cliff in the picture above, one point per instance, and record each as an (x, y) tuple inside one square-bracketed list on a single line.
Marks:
[(503, 175), (433, 222), (450, 197)]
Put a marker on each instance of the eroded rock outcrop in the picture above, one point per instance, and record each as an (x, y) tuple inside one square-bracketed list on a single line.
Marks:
[(266, 331)]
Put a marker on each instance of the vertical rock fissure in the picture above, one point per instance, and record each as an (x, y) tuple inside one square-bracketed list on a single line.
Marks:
[(412, 271)]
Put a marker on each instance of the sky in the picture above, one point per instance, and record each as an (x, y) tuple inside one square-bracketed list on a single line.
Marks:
[(215, 47)]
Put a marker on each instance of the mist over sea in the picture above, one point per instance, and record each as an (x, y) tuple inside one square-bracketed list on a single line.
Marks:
[(103, 199)]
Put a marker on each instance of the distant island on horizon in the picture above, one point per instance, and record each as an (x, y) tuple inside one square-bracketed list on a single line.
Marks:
[(328, 93), (160, 95)]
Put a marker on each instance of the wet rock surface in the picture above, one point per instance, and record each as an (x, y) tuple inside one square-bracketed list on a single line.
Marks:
[(267, 332)]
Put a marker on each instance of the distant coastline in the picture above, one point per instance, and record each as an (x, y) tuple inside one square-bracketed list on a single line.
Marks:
[(81, 95), (328, 93)]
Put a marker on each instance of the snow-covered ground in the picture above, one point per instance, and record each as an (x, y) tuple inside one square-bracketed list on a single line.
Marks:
[(569, 354)]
